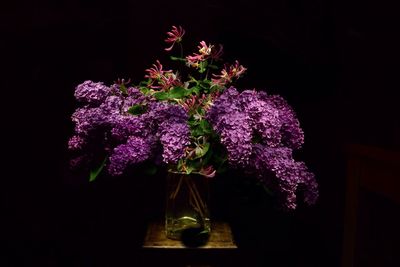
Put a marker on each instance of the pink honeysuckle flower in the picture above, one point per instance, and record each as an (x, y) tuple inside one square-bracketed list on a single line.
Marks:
[(208, 172), (205, 49), (194, 102), (174, 36), (189, 103), (193, 61), (122, 81), (170, 80), (157, 71), (166, 82), (228, 73), (205, 52), (223, 77), (237, 70), (208, 101), (152, 86), (161, 79)]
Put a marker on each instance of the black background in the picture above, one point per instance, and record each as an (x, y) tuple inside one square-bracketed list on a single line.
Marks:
[(334, 61)]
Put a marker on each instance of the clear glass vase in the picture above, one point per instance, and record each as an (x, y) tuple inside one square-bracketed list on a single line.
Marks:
[(187, 205)]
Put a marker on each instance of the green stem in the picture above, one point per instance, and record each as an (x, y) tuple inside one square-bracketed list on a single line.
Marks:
[(193, 195), (178, 187), (195, 199), (197, 194)]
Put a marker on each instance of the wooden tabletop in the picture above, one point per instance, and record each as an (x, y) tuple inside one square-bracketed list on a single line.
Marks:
[(220, 238)]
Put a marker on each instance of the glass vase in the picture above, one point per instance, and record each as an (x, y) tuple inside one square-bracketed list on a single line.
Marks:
[(187, 204)]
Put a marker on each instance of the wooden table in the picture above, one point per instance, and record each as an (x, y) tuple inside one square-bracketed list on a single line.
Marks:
[(158, 250)]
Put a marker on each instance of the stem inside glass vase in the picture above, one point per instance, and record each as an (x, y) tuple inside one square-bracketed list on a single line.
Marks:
[(186, 205)]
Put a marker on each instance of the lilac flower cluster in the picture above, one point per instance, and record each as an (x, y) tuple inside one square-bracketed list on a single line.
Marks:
[(135, 150), (174, 137), (259, 132), (292, 134), (288, 174), (170, 125), (128, 139), (233, 126), (91, 92)]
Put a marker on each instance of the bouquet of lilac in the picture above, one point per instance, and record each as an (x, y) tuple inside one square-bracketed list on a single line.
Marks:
[(193, 123)]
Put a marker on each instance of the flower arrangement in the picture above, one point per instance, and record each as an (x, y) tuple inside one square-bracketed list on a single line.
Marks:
[(192, 121)]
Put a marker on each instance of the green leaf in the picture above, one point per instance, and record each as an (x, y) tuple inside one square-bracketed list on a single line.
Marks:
[(220, 160), (196, 132), (201, 151), (177, 58), (215, 67), (208, 156), (161, 95), (94, 173), (203, 66), (205, 83), (144, 90), (192, 165), (123, 89), (136, 109), (205, 126), (179, 165), (195, 89), (178, 92), (216, 88), (189, 169), (193, 122), (193, 128), (145, 83), (199, 128)]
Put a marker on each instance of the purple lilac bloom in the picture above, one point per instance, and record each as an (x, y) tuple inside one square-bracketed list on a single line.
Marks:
[(88, 119), (91, 92), (292, 134), (115, 89), (162, 120), (169, 123), (174, 137), (264, 117), (162, 111), (269, 116), (111, 110), (135, 150), (235, 117), (224, 104), (233, 125), (310, 184), (76, 142), (134, 97), (236, 135), (289, 173), (111, 105), (134, 92), (126, 126)]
